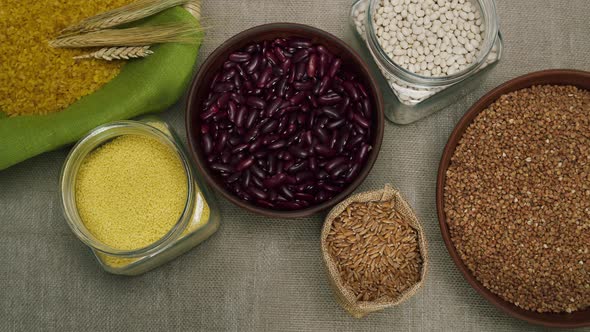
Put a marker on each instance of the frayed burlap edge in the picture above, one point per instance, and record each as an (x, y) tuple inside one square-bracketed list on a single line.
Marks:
[(344, 296)]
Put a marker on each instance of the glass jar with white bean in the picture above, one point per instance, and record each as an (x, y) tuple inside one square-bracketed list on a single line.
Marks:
[(430, 52)]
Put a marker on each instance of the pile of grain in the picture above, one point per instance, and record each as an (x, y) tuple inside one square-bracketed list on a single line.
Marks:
[(517, 198), (376, 251), (131, 191), (35, 78)]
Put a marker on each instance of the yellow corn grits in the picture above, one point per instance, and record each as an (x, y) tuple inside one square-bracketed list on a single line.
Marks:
[(38, 79), (131, 191)]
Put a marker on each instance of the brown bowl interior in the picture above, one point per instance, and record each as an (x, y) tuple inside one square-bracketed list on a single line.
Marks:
[(553, 77), (199, 89)]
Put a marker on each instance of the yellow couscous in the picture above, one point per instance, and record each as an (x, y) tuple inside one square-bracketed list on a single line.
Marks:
[(38, 79), (131, 191)]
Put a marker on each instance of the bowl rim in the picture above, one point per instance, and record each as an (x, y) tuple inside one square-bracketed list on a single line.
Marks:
[(554, 77), (300, 29)]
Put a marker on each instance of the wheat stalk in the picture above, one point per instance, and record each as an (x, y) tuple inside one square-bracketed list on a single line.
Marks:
[(132, 12), (138, 36), (117, 53)]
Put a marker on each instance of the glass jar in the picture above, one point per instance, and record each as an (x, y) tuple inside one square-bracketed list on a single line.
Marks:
[(409, 96), (199, 220)]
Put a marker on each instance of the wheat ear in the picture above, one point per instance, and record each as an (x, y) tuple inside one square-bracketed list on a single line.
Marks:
[(117, 53), (132, 12), (138, 36)]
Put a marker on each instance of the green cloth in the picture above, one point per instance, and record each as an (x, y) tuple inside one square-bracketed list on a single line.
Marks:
[(144, 86)]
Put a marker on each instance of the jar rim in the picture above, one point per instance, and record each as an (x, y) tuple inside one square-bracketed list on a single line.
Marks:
[(94, 139), (488, 13)]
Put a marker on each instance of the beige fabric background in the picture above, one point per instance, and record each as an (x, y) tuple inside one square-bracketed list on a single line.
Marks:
[(255, 273)]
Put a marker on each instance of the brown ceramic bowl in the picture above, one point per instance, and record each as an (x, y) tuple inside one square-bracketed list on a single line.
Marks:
[(553, 77), (200, 87)]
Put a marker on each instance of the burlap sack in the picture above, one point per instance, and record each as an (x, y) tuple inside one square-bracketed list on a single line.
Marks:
[(344, 296)]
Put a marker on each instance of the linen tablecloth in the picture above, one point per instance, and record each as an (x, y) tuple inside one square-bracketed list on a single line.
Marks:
[(257, 273)]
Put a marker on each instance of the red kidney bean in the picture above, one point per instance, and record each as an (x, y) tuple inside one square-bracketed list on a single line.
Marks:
[(264, 77), (221, 168), (301, 86), (290, 180), (270, 126), (324, 85), (211, 112), (257, 193), (272, 165), (237, 98), (250, 119), (324, 151), (290, 205), (241, 116), (268, 139), (251, 48), (323, 50), (275, 180), (330, 99), (323, 64), (351, 90), (322, 196), (331, 188), (339, 171), (297, 167), (241, 71), (207, 143), (299, 71), (277, 145), (331, 112), (234, 177), (303, 176), (232, 110), (204, 129), (280, 54), (255, 102), (362, 90), (265, 204), (334, 139), (352, 172), (221, 142), (333, 163), (336, 124), (253, 64), (322, 134), (239, 57), (228, 65), (286, 192), (272, 82), (214, 80), (313, 164), (272, 59), (304, 196), (299, 152), (300, 55), (255, 145), (282, 42), (246, 178), (334, 67), (297, 98), (257, 181), (363, 152), (257, 171), (240, 148), (361, 121), (244, 164), (312, 65)]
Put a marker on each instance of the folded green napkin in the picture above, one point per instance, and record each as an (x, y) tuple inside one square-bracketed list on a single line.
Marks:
[(143, 86)]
